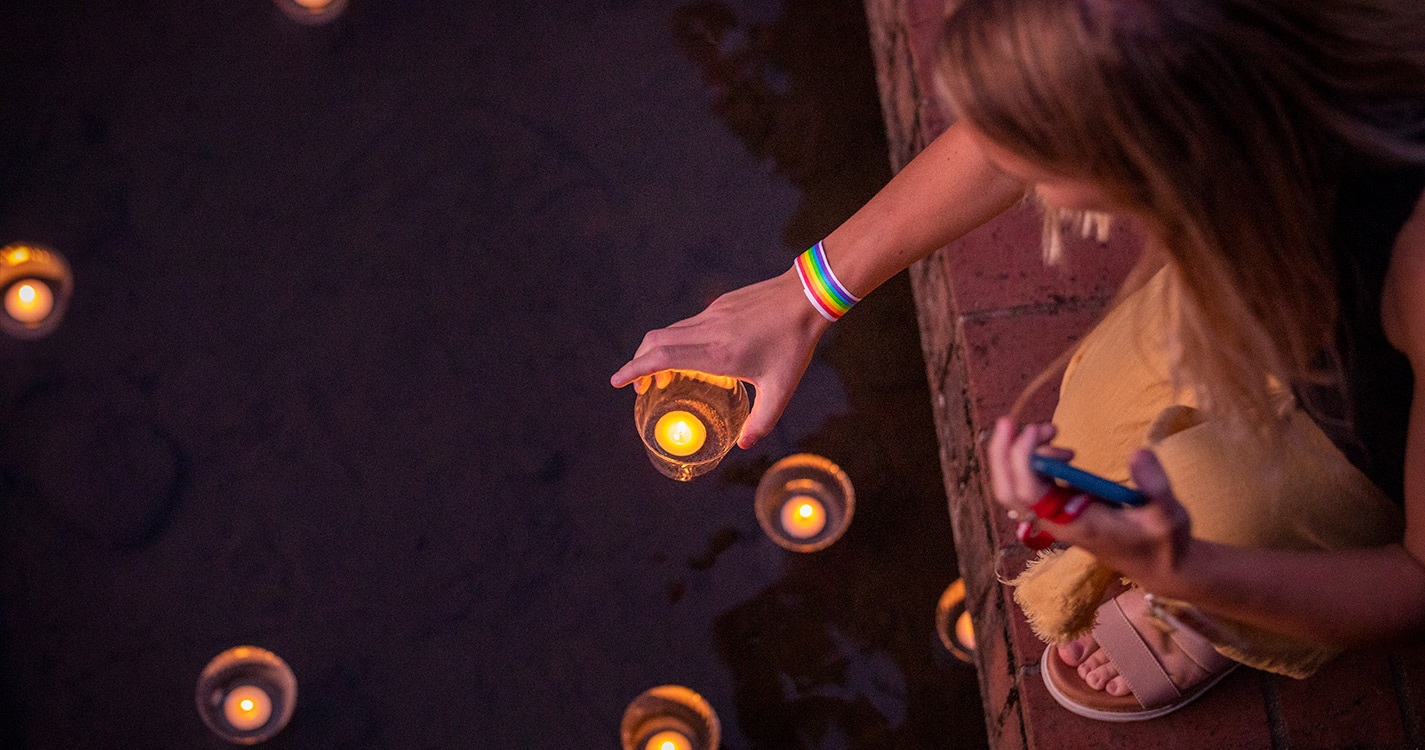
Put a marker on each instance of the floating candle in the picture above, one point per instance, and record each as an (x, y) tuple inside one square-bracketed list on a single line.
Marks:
[(29, 300), (965, 631), (680, 433), (247, 707), (803, 517), (668, 740)]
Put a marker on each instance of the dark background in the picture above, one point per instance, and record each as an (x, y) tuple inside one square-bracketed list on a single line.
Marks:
[(334, 379)]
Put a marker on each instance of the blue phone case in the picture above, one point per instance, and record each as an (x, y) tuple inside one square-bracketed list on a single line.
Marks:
[(1103, 489)]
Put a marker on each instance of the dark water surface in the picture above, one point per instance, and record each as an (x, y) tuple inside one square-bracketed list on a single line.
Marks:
[(334, 381)]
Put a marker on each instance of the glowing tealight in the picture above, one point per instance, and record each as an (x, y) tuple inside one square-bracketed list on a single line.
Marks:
[(247, 707), (668, 740), (29, 300), (803, 517), (680, 433), (314, 4), (965, 631)]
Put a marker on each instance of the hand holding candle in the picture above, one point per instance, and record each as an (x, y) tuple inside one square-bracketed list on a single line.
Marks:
[(689, 420)]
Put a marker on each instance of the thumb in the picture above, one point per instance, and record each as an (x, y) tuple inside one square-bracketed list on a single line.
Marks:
[(767, 408), (1148, 474)]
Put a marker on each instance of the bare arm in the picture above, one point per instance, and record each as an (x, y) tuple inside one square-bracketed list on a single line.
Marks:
[(947, 190), (765, 333)]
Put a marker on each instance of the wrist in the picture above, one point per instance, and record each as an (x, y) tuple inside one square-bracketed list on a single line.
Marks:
[(821, 285), (1184, 575), (805, 315)]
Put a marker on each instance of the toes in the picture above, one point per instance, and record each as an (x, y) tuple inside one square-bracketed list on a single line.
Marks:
[(1097, 670), (1117, 687), (1074, 652), (1098, 678)]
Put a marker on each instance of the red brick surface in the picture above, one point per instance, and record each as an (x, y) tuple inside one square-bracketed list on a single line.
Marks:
[(1231, 716), (1413, 661), (1351, 701), (1005, 351), (1000, 265)]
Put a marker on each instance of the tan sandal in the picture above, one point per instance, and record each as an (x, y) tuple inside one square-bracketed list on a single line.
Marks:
[(1153, 692)]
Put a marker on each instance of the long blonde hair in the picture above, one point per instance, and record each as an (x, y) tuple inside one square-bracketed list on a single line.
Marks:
[(1226, 123)]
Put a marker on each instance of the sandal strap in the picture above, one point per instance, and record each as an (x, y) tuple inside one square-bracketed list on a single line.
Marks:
[(1130, 654), (1198, 649)]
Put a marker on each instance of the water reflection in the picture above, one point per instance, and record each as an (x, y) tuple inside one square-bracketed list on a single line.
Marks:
[(842, 652)]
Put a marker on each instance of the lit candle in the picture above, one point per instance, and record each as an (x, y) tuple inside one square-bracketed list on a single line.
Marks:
[(803, 517), (29, 300), (965, 631), (247, 707), (668, 740), (680, 433), (314, 4)]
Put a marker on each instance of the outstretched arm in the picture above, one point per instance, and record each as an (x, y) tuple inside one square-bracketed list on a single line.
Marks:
[(765, 333)]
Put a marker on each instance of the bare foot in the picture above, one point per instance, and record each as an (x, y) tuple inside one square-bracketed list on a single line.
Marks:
[(1100, 674)]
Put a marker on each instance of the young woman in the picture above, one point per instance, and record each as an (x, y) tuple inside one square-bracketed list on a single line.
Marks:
[(1255, 381)]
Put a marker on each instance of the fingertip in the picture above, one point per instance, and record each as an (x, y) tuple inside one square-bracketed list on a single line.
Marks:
[(1144, 458), (1147, 472)]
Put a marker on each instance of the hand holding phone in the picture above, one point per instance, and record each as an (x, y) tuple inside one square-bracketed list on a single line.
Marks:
[(1108, 491)]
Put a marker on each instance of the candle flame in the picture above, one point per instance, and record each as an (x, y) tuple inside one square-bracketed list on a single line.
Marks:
[(803, 517), (668, 740), (27, 294), (681, 433)]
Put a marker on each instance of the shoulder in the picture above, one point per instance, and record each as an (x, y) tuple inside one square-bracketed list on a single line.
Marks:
[(1403, 296)]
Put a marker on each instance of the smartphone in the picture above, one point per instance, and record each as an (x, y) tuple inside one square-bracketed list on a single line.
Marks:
[(1111, 492)]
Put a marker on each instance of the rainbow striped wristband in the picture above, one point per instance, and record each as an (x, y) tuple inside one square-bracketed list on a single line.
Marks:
[(826, 292)]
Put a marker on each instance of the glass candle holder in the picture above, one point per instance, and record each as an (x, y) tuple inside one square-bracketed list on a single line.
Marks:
[(670, 717), (689, 420), (312, 12), (35, 286), (953, 624), (246, 695), (805, 502)]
